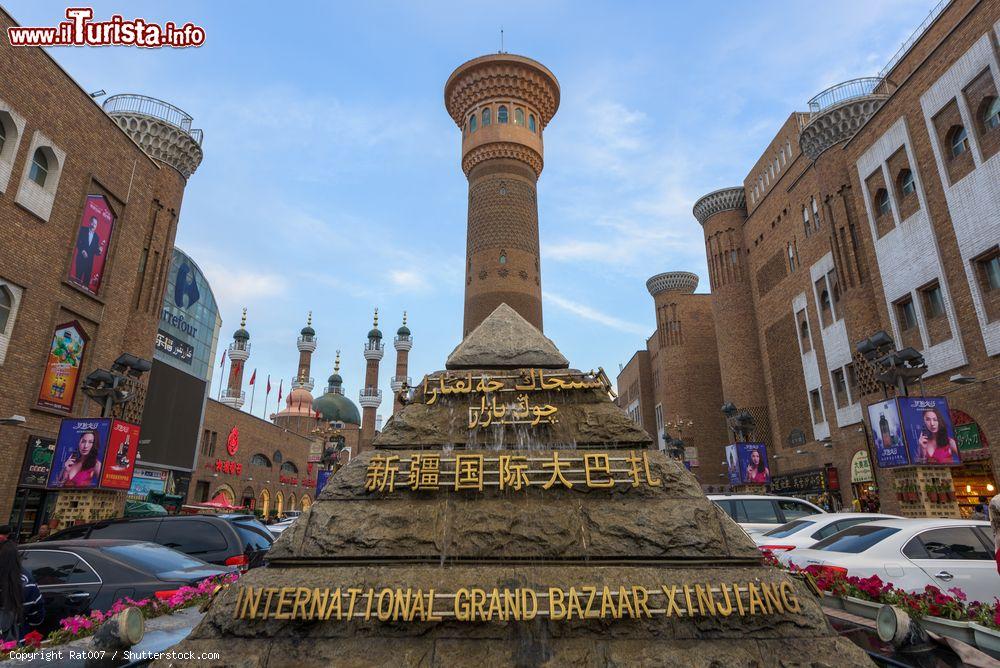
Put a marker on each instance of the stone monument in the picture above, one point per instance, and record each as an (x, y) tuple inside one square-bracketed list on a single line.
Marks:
[(511, 514)]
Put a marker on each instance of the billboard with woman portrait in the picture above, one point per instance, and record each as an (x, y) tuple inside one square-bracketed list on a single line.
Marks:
[(930, 435), (80, 450), (747, 463)]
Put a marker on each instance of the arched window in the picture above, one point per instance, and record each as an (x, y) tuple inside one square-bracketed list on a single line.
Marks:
[(502, 114), (260, 460), (882, 205), (519, 116), (791, 258), (824, 300), (531, 122), (905, 182), (277, 457), (487, 116), (805, 221), (991, 113), (289, 467), (815, 208), (958, 140), (804, 331), (472, 123), (503, 257), (6, 306), (39, 167)]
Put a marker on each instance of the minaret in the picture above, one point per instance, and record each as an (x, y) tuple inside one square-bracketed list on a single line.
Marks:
[(502, 102), (306, 345), (371, 396), (403, 343), (238, 351)]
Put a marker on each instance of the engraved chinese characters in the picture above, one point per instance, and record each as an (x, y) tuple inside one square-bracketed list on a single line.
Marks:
[(571, 469)]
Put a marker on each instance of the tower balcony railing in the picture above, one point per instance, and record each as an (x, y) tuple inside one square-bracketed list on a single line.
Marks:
[(306, 343), (370, 397), (374, 344), (243, 346), (240, 396), (130, 103), (401, 380), (302, 381), (848, 90)]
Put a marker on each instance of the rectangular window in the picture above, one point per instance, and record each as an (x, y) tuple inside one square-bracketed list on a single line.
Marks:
[(938, 328), (906, 314), (803, 323), (825, 303), (205, 441), (987, 268), (840, 388), (833, 284), (852, 383), (817, 407), (658, 412)]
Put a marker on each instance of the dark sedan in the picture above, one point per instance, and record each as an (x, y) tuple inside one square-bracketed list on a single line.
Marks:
[(78, 576)]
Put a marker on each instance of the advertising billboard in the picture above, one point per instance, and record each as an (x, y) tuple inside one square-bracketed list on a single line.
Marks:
[(120, 462), (747, 464), (322, 477), (37, 462), (145, 481), (887, 434), (171, 417), (79, 455), (62, 368), (189, 319), (93, 236), (930, 435)]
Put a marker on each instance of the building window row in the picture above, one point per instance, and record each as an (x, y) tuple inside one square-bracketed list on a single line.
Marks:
[(845, 386), (987, 271), (37, 189), (924, 315), (484, 117), (828, 298)]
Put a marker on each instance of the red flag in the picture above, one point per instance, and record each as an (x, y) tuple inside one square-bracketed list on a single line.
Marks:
[(253, 377), (223, 362), (268, 384), (280, 383)]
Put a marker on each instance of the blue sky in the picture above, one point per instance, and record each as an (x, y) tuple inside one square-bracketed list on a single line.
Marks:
[(331, 179)]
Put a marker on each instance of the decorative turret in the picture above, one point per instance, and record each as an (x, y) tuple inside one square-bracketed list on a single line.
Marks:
[(334, 406), (307, 346), (238, 352), (838, 113), (370, 396), (403, 343), (717, 201), (672, 281), (162, 130)]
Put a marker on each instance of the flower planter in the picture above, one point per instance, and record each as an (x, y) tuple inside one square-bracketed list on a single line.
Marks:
[(947, 627), (861, 608), (987, 639), (832, 601)]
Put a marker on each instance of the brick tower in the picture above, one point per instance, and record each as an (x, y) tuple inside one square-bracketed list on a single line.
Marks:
[(307, 346), (298, 414), (403, 343), (371, 396), (502, 102), (239, 352)]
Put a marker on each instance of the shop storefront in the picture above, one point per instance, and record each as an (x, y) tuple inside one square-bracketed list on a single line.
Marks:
[(863, 485), (975, 480), (33, 504), (818, 486)]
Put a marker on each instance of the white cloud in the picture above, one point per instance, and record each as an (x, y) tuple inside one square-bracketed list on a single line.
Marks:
[(407, 280), (236, 286), (592, 314)]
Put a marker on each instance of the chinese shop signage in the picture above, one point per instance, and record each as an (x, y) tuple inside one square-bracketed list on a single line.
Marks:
[(37, 461), (432, 472), (62, 368), (233, 442), (810, 481), (473, 604), (228, 466)]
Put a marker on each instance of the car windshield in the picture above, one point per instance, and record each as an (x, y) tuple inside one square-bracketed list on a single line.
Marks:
[(855, 539), (154, 558), (254, 536), (789, 528)]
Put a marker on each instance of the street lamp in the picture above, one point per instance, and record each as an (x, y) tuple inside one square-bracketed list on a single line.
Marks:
[(108, 388), (740, 421), (896, 368)]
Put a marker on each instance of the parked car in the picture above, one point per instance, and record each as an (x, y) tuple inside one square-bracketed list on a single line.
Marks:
[(278, 527), (911, 554), (757, 513), (290, 514), (806, 531), (226, 540), (78, 576)]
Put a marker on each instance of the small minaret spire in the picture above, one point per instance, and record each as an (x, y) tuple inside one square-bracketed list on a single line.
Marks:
[(239, 352), (403, 343), (371, 396), (307, 346)]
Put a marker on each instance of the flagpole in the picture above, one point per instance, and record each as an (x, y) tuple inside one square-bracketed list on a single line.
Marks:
[(223, 376), (253, 391)]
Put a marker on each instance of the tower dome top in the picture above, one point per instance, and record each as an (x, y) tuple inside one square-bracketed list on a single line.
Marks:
[(504, 75), (242, 334), (334, 406), (375, 333), (308, 329), (717, 201), (403, 330)]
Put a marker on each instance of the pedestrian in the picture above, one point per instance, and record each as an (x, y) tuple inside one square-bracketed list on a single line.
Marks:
[(43, 533), (995, 522), (34, 606), (11, 587), (979, 513)]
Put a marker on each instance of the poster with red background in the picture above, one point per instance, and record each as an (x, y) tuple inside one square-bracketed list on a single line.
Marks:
[(119, 462), (93, 236)]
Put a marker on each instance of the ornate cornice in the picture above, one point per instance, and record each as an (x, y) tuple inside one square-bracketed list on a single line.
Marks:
[(724, 199), (501, 75), (672, 281), (837, 124), (161, 140), (505, 149)]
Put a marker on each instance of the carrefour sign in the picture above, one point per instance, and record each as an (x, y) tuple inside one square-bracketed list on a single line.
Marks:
[(189, 319)]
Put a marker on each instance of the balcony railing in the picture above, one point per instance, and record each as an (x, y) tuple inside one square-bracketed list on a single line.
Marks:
[(401, 380), (150, 106), (370, 392), (905, 46), (226, 394), (845, 91)]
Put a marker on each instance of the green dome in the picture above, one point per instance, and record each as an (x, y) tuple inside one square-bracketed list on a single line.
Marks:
[(403, 331), (335, 380), (337, 408), (308, 331), (375, 333), (241, 335)]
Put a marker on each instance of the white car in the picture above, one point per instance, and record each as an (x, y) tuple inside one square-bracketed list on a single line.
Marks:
[(806, 531), (911, 554), (278, 527), (757, 513)]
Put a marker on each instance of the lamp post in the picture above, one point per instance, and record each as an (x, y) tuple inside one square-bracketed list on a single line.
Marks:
[(896, 368), (740, 421), (108, 387), (675, 446)]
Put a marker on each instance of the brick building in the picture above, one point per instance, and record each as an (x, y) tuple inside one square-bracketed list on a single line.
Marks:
[(877, 209), (62, 156)]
